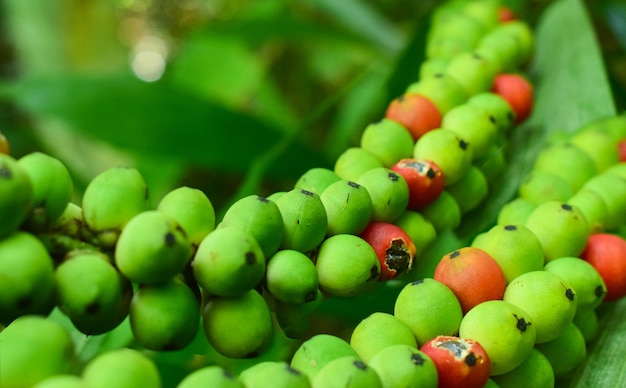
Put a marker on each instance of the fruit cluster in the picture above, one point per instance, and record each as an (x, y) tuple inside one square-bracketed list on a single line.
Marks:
[(518, 305)]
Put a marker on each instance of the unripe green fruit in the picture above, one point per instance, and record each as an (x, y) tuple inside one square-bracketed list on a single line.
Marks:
[(238, 327), (523, 34), (515, 212), (612, 189), (388, 140), (485, 12), (491, 164), (547, 298), (52, 188), (291, 277), (504, 330), (388, 191), (444, 213), (210, 376), (61, 381), (34, 348), (587, 322), (261, 218), (473, 125), (429, 308), (152, 248), (618, 169), (347, 266), (378, 331), (541, 186), (228, 262), (534, 371), (442, 89), (276, 374), (432, 67), (582, 277), (505, 46), (514, 247), (469, 191), (599, 146), (404, 366), (451, 153), (567, 161), (293, 318), (566, 351), (561, 229), (17, 193), (164, 316), (70, 223), (355, 161), (92, 293), (346, 372), (314, 353), (304, 220), (121, 368), (193, 211), (111, 199), (316, 180), (473, 72), (419, 228), (348, 207), (456, 23), (495, 106), (27, 283)]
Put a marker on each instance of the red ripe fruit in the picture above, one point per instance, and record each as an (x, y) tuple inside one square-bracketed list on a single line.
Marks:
[(506, 14), (424, 178), (517, 91), (607, 254), (394, 248), (460, 362), (415, 112), (473, 275), (621, 150)]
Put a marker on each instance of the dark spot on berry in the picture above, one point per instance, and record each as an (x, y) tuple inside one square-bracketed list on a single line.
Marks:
[(306, 192), (476, 56), (439, 75), (170, 239), (569, 293), (470, 359), (463, 144), (599, 291), (397, 256), (228, 375), (417, 359), (262, 199), (5, 172), (400, 99), (354, 184), (92, 308), (250, 258), (417, 282), (24, 302), (510, 227), (360, 364), (431, 173), (393, 177), (521, 323), (566, 207), (492, 119), (310, 297), (454, 254), (374, 273), (298, 221), (293, 371)]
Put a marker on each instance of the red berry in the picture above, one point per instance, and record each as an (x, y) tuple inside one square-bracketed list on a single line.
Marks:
[(517, 91), (460, 362), (621, 149), (506, 14), (415, 112), (424, 178), (394, 248), (607, 254), (473, 275)]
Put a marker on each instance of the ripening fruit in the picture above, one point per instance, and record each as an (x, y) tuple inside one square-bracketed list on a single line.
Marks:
[(131, 369), (607, 254), (152, 248), (472, 274), (388, 140), (346, 372), (210, 376), (34, 348), (17, 193), (238, 327), (404, 366), (316, 180), (348, 207), (424, 179), (193, 211), (278, 374), (414, 112), (110, 200), (314, 353), (440, 88), (291, 277), (354, 162), (378, 331), (393, 246), (517, 91), (447, 150), (228, 262), (304, 220), (389, 192)]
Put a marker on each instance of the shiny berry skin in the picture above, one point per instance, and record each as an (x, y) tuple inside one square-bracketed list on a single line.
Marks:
[(415, 112), (517, 91), (393, 246), (460, 362), (425, 179), (607, 254)]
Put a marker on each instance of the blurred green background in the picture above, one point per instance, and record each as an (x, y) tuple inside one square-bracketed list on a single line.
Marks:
[(231, 96)]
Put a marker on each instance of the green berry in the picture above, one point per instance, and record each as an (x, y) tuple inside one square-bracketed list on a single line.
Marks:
[(404, 366), (523, 34), (444, 213), (515, 212), (388, 140), (294, 318), (495, 106), (566, 351), (442, 89), (132, 369), (316, 180), (193, 211), (61, 381), (477, 128), (470, 190), (541, 186), (505, 47), (211, 376), (491, 164), (17, 193), (534, 371), (599, 146), (612, 189), (388, 191), (419, 228), (567, 161), (378, 331), (432, 67), (447, 47), (444, 147), (474, 72), (291, 277), (304, 219), (582, 277), (355, 161), (348, 207), (314, 353), (278, 374), (587, 322), (346, 372)]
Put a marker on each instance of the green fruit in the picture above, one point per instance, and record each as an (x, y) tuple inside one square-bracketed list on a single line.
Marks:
[(314, 353), (523, 34), (193, 211), (540, 186), (587, 322), (549, 301), (17, 193), (419, 228), (469, 191), (612, 189), (238, 327), (474, 73), (316, 180), (378, 331), (27, 283), (432, 67), (52, 188), (388, 191), (504, 330), (261, 218), (70, 223), (61, 381), (567, 161), (444, 213), (491, 164), (495, 106), (582, 277), (164, 316), (291, 277), (228, 262), (347, 266), (505, 46), (534, 371), (355, 161), (447, 47), (444, 147), (121, 368), (561, 229), (514, 247), (477, 128), (152, 248), (566, 351), (304, 219), (92, 293), (440, 88), (273, 374), (32, 349), (388, 140), (599, 146), (456, 24), (346, 372), (515, 212), (110, 200), (294, 318), (404, 366), (210, 376), (429, 308), (348, 207)]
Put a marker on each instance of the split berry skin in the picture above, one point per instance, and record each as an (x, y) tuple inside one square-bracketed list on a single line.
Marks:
[(394, 248), (414, 112), (424, 178)]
